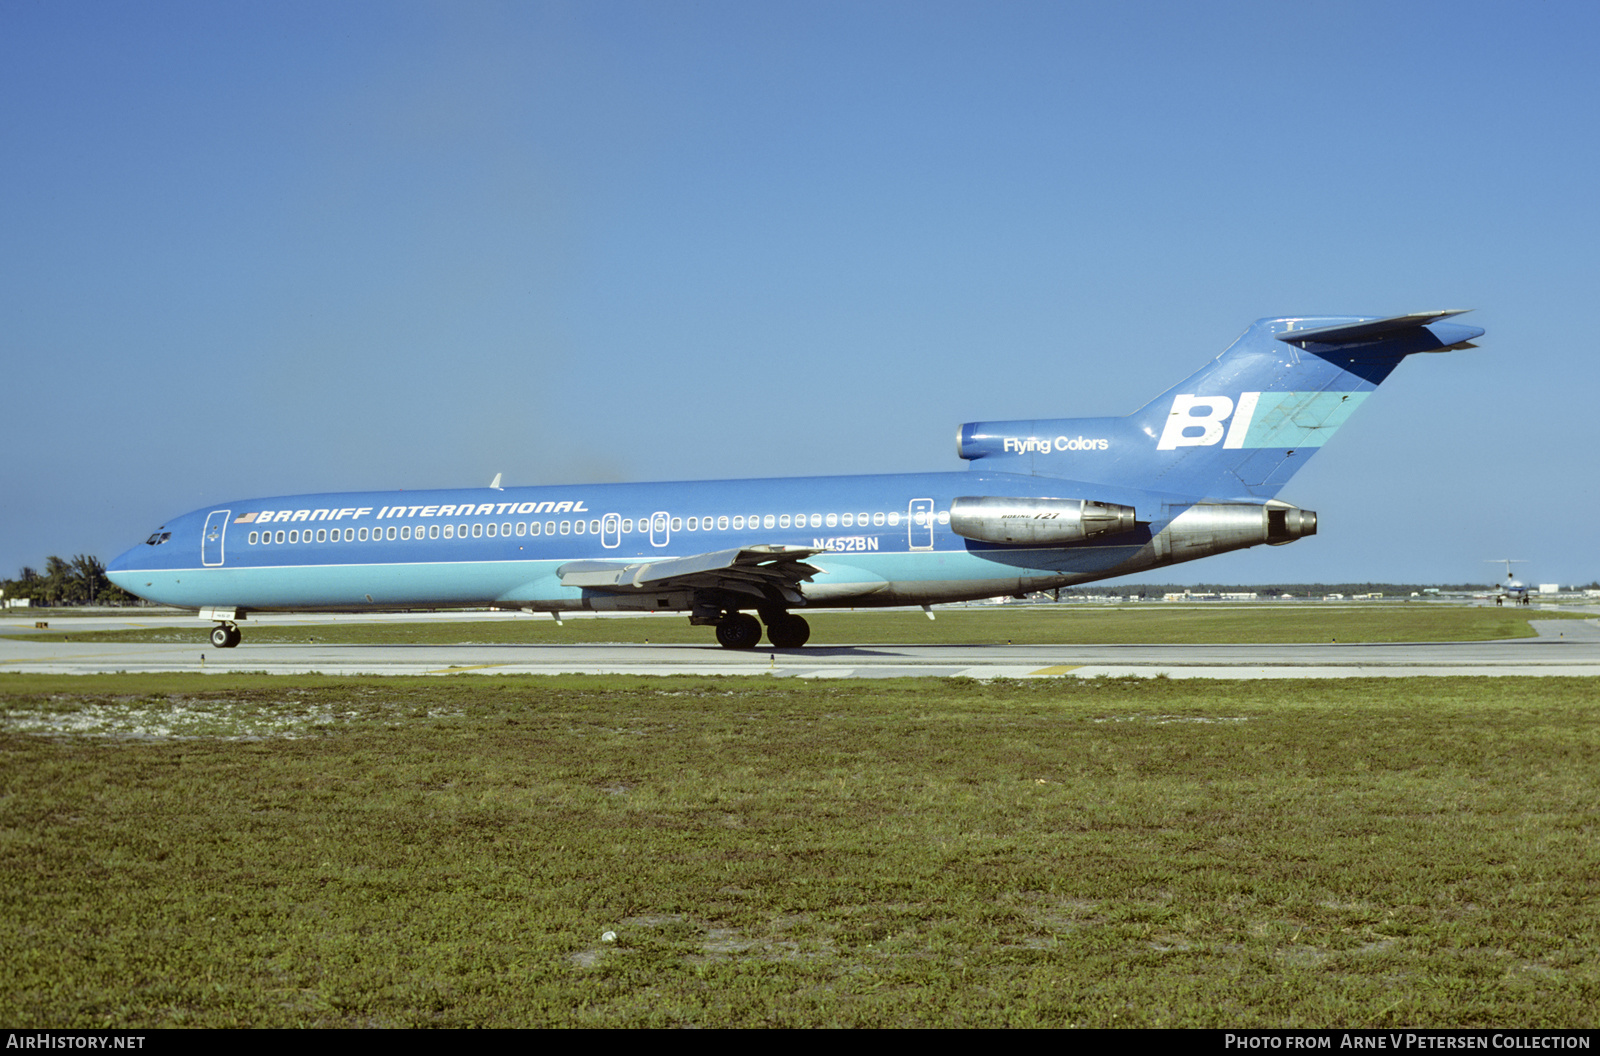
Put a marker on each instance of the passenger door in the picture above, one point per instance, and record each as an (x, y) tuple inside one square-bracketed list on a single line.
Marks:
[(919, 521), (211, 539)]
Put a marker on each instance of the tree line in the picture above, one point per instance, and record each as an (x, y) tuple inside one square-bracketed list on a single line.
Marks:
[(81, 581), (1299, 590)]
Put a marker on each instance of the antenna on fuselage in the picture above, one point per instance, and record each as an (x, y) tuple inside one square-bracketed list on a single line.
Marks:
[(495, 483)]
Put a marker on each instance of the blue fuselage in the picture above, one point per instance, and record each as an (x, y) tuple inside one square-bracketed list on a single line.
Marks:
[(886, 540)]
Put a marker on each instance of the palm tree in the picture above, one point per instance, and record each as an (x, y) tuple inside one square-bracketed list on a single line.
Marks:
[(56, 583), (81, 581), (89, 578)]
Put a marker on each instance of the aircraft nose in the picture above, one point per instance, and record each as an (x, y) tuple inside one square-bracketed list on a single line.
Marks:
[(121, 565), (129, 568), (120, 562)]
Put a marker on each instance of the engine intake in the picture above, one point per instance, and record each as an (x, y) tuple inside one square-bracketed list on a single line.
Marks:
[(1037, 522)]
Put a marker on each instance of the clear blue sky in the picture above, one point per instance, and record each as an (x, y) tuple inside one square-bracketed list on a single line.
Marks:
[(257, 248)]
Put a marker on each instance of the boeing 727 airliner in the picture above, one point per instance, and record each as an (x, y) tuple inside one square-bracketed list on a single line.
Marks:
[(1042, 504)]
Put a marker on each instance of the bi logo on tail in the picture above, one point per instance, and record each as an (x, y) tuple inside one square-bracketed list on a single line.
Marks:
[(1287, 420), (1207, 415)]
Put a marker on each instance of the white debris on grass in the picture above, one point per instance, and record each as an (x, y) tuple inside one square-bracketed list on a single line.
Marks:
[(175, 720), (1169, 720)]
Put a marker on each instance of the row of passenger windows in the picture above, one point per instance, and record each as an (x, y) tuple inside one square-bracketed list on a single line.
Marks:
[(719, 523)]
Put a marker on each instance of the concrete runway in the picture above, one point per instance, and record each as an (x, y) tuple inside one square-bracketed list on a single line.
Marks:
[(1565, 647)]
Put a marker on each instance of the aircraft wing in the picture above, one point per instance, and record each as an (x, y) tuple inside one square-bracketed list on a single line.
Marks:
[(755, 570)]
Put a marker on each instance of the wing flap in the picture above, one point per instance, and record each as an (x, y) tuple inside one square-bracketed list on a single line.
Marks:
[(755, 570)]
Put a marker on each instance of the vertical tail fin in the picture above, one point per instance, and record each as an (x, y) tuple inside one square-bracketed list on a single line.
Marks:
[(1238, 428)]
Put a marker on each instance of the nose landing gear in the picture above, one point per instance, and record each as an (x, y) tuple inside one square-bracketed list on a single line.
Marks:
[(225, 635)]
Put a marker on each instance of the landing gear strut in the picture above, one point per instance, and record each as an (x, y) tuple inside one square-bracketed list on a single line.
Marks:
[(226, 635), (740, 630)]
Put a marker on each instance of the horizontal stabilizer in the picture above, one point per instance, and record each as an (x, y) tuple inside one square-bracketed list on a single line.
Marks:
[(1368, 330)]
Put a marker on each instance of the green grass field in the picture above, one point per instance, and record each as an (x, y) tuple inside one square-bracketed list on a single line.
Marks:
[(1033, 625), (241, 850)]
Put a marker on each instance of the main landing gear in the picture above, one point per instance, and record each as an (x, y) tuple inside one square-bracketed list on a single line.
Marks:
[(740, 630), (226, 635), (788, 632)]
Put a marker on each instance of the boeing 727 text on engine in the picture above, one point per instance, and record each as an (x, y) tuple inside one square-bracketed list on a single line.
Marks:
[(1042, 504)]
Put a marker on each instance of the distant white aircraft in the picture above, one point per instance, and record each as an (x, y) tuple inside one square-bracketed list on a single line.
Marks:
[(1512, 588)]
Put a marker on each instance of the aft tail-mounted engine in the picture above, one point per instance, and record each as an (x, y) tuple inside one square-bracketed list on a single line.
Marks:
[(1215, 528), (1036, 522)]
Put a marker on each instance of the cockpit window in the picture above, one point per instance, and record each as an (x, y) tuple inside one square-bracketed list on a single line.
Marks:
[(158, 538)]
